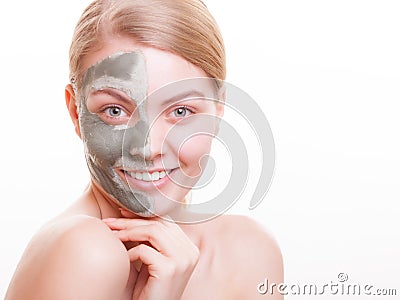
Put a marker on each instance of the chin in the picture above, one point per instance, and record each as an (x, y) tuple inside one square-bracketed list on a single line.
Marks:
[(161, 206)]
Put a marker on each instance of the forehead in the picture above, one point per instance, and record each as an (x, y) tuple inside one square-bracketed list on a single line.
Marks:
[(123, 71), (161, 67)]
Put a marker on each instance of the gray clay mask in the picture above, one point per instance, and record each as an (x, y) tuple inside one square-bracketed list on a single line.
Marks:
[(114, 149), (105, 147)]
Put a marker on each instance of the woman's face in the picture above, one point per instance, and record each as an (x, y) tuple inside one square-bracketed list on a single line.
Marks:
[(147, 119)]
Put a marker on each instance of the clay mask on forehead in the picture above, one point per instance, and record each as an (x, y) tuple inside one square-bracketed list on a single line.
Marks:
[(125, 72)]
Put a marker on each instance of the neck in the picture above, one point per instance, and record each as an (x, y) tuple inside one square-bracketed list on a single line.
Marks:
[(107, 208)]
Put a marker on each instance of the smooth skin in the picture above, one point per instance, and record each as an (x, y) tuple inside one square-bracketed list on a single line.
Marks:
[(96, 250)]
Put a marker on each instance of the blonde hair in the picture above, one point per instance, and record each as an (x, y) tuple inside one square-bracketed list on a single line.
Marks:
[(183, 27)]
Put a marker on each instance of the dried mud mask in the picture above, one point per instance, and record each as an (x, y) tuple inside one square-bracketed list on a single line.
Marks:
[(117, 143), (103, 142)]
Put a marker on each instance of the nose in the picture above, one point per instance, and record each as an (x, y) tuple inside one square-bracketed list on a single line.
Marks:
[(146, 141)]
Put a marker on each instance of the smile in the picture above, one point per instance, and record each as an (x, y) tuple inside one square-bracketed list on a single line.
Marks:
[(147, 180), (147, 176)]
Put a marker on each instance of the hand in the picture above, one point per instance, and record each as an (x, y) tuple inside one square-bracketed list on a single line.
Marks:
[(168, 255)]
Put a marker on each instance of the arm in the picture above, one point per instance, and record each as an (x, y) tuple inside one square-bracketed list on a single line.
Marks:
[(77, 258)]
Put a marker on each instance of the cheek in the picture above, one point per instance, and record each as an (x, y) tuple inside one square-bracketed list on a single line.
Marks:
[(103, 144), (106, 149), (193, 150)]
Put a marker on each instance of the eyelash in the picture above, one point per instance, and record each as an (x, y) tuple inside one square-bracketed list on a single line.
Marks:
[(184, 107), (104, 110)]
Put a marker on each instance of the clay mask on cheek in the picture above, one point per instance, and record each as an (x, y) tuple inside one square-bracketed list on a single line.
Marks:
[(103, 142)]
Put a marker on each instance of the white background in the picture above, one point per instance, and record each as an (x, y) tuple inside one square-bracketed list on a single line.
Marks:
[(326, 74)]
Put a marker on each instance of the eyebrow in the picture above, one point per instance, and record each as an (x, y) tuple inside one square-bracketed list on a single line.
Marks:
[(116, 95), (182, 96), (177, 98)]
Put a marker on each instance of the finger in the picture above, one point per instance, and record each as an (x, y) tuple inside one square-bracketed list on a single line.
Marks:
[(176, 229), (133, 276), (154, 260), (115, 222), (156, 234), (161, 234), (177, 232), (141, 281), (122, 223)]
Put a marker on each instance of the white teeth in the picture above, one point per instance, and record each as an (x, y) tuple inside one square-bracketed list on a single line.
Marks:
[(155, 176), (145, 176)]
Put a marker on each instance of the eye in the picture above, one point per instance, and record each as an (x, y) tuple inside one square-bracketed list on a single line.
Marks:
[(181, 112), (115, 112)]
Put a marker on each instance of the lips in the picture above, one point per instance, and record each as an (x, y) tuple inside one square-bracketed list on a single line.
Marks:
[(147, 180), (148, 176)]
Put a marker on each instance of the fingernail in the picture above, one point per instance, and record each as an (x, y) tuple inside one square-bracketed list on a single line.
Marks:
[(109, 220)]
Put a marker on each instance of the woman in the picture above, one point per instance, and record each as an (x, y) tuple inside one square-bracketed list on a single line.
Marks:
[(139, 71)]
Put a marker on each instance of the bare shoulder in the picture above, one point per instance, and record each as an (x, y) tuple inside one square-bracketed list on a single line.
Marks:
[(72, 258), (249, 253), (247, 239)]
